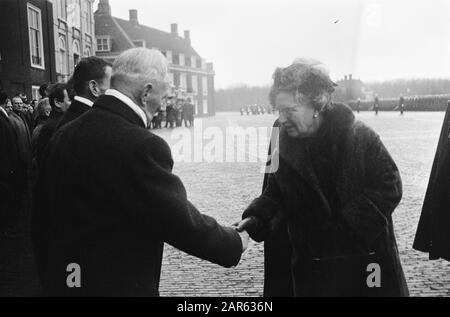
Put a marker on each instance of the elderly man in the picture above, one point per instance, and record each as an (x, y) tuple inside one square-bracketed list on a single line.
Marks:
[(91, 79), (112, 200)]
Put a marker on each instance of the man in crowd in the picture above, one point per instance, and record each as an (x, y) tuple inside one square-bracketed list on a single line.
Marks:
[(111, 200), (12, 177), (91, 79), (23, 134), (188, 113), (59, 101)]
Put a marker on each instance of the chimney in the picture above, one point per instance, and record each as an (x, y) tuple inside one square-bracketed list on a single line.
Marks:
[(103, 8), (345, 78), (187, 36), (350, 77), (174, 29), (134, 16)]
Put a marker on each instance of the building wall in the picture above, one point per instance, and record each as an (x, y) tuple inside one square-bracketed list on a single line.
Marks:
[(16, 72), (75, 26)]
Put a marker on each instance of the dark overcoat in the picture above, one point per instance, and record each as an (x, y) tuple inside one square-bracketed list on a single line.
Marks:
[(433, 232), (277, 249), (337, 192), (12, 172), (75, 110), (108, 203)]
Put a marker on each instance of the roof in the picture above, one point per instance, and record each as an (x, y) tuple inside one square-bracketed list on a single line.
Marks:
[(156, 38)]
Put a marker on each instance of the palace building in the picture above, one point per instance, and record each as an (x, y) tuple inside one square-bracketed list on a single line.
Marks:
[(191, 76)]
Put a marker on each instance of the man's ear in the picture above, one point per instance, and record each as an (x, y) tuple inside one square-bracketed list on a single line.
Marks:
[(94, 89), (148, 89)]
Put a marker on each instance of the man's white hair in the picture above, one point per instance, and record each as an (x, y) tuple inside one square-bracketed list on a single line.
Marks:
[(141, 63)]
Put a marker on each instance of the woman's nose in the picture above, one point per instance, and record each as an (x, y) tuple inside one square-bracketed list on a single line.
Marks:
[(282, 118)]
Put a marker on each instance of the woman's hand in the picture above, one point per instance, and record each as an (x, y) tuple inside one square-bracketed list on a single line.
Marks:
[(245, 224)]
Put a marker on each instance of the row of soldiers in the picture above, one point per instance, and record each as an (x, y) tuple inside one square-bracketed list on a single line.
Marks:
[(174, 112)]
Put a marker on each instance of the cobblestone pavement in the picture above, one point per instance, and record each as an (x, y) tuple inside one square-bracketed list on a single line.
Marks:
[(223, 190)]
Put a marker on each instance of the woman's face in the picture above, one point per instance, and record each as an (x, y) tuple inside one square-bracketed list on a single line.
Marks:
[(296, 116)]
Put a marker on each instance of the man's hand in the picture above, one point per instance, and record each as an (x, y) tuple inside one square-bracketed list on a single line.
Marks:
[(244, 237)]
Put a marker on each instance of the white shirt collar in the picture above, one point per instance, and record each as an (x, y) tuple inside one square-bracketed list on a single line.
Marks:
[(126, 100), (4, 111), (86, 101)]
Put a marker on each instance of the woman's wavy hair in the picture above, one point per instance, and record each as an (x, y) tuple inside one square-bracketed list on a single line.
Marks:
[(307, 77)]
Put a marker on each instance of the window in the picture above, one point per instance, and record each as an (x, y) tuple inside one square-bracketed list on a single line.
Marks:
[(62, 56), (74, 13), (87, 17), (87, 52), (205, 86), (205, 106), (35, 93), (187, 61), (199, 63), (182, 59), (175, 59), (61, 7), (76, 52), (35, 35), (139, 43), (194, 84), (183, 81), (103, 44)]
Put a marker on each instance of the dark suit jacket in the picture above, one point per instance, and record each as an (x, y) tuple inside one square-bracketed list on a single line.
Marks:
[(45, 134), (75, 110), (12, 177), (111, 202)]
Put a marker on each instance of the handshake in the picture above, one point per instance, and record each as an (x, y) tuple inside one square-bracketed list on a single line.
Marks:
[(242, 228)]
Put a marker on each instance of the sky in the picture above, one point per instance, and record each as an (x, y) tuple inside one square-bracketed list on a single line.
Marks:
[(246, 40)]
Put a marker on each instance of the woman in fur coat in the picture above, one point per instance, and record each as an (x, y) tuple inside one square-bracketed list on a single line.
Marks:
[(336, 186)]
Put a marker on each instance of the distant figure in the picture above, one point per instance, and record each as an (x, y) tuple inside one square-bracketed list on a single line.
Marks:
[(188, 113), (358, 105), (376, 105), (401, 105)]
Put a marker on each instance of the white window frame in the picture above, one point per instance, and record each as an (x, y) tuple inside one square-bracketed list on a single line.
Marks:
[(172, 79), (144, 44), (195, 84), (102, 38), (181, 59), (62, 61), (41, 48), (205, 85), (87, 49), (205, 106), (76, 43), (35, 93), (61, 6), (183, 81), (86, 9)]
